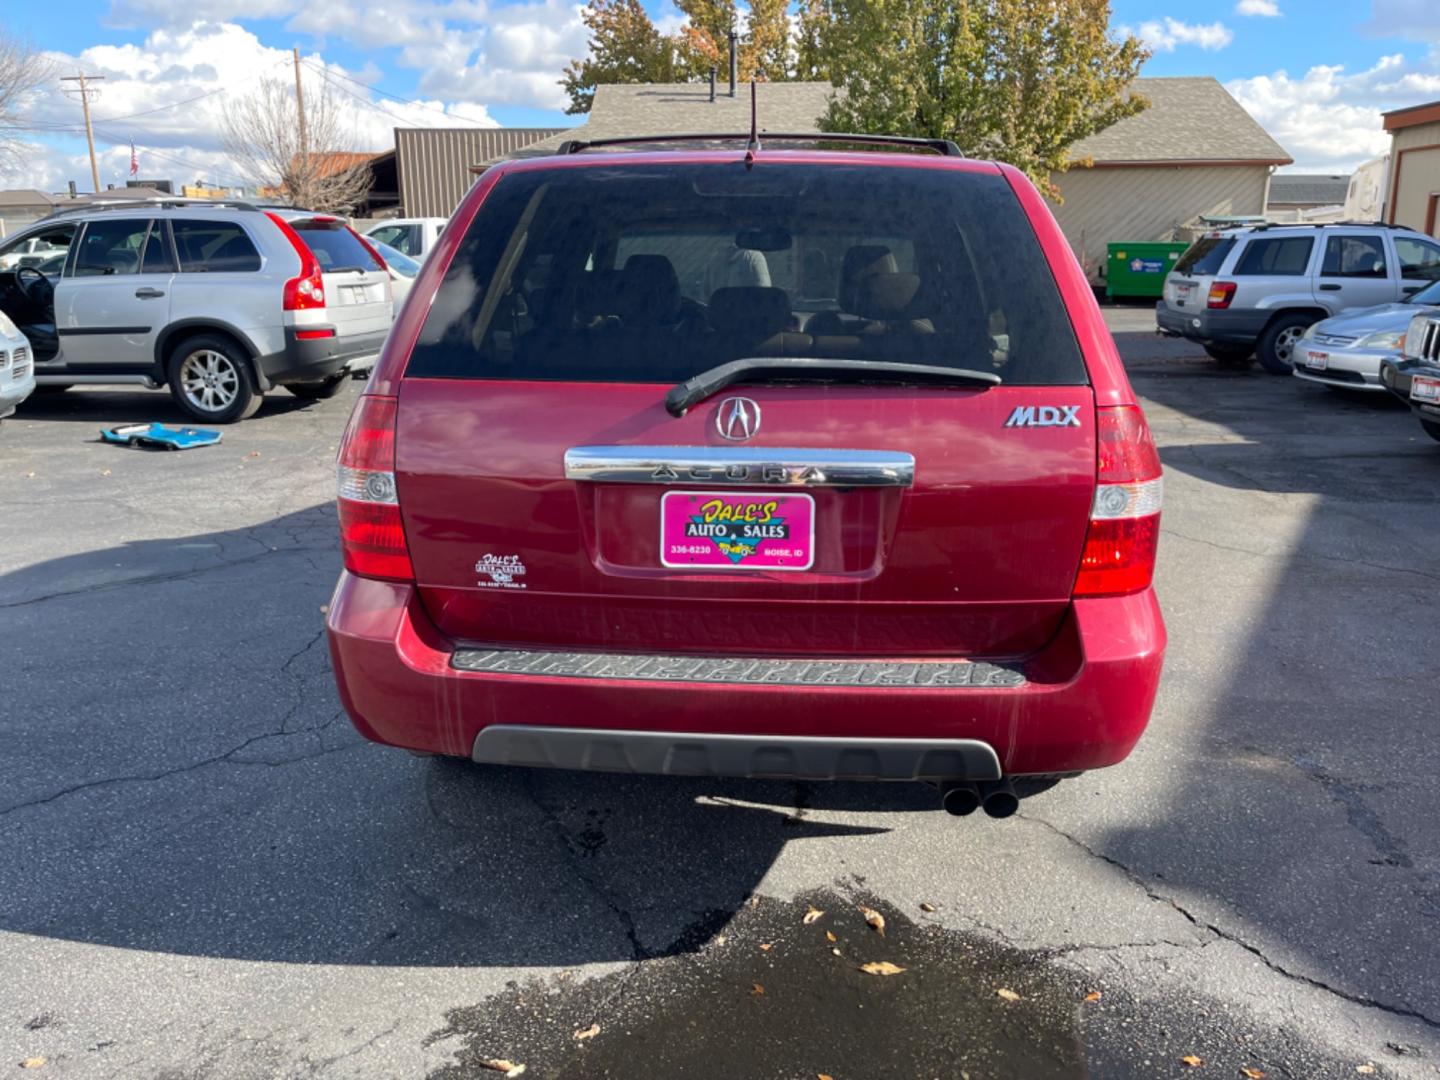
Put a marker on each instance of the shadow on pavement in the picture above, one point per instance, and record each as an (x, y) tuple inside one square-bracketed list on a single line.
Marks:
[(111, 406)]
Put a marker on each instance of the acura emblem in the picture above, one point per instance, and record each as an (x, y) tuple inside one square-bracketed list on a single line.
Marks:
[(737, 419)]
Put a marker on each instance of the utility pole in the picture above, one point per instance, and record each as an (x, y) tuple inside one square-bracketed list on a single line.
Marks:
[(300, 110), (85, 93)]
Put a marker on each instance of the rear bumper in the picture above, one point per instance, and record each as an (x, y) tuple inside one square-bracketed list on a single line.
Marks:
[(1211, 325), (1081, 703), (312, 359)]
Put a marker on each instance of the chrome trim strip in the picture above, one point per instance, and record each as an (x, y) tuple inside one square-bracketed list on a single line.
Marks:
[(748, 465), (673, 753)]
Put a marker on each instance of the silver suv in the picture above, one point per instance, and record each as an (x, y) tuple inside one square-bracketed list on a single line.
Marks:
[(1257, 289), (218, 301)]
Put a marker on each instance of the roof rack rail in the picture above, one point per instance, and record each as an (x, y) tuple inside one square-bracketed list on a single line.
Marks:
[(1328, 225), (149, 204), (943, 147)]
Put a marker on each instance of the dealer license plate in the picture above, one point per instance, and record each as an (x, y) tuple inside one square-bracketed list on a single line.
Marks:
[(1424, 388), (1317, 361), (729, 530)]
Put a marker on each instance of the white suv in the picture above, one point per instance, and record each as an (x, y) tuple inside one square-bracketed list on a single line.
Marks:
[(1257, 289), (218, 301)]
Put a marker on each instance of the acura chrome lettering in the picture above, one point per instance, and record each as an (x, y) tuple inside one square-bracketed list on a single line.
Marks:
[(767, 466), (1044, 416)]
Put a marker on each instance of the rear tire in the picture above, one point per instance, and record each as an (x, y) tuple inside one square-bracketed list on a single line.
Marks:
[(1276, 347), (1230, 354), (321, 390), (1432, 428), (210, 380)]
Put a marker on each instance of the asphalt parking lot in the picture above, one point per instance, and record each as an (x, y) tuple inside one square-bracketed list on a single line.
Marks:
[(204, 872)]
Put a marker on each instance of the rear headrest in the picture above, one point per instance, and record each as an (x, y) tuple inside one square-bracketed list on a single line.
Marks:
[(651, 290), (750, 311), (861, 261), (886, 296)]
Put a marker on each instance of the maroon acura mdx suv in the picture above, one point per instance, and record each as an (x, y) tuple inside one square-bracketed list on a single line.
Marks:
[(753, 462)]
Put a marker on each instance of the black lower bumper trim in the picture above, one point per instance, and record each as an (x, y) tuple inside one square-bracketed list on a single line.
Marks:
[(917, 674)]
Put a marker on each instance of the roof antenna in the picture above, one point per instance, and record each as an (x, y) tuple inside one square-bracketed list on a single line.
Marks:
[(754, 143)]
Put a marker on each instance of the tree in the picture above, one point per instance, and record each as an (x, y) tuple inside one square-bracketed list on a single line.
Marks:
[(625, 47), (766, 53), (312, 166), (1016, 80), (22, 71)]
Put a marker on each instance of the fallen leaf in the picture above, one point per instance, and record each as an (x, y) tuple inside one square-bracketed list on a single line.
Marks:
[(1253, 1074), (33, 1063), (754, 901), (811, 914), (880, 967), (1193, 1061), (835, 951), (1365, 1069), (253, 453), (823, 1076), (874, 918), (720, 939), (1008, 995), (766, 946), (1093, 995), (509, 1068), (927, 907), (588, 1033), (830, 937), (757, 990)]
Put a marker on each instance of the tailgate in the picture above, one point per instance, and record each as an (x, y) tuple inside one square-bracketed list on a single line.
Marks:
[(357, 286), (976, 556)]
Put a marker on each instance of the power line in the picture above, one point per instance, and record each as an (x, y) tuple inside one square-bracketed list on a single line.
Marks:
[(326, 74)]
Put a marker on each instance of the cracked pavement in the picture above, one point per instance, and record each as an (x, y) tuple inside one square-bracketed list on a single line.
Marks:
[(204, 872)]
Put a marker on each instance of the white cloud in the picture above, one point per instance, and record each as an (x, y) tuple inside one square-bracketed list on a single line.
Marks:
[(1266, 8), (1329, 120), (212, 63), (1165, 35)]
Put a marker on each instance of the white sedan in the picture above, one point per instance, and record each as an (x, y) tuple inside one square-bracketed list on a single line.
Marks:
[(17, 367)]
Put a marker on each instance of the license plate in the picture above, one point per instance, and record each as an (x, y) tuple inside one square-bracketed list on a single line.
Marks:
[(1317, 361), (1182, 292), (1424, 388), (729, 530)]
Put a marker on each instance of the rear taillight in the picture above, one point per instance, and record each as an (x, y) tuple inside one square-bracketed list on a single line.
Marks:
[(1120, 544), (1221, 293), (308, 290), (372, 537)]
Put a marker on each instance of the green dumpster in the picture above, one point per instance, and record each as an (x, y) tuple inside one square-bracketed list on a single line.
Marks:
[(1139, 269)]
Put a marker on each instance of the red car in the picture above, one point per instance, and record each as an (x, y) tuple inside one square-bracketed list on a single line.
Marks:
[(763, 462)]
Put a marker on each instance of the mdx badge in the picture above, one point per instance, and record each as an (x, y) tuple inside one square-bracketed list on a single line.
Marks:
[(1044, 416), (737, 419)]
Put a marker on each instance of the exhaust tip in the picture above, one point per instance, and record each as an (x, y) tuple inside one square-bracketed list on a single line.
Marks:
[(960, 799), (999, 798)]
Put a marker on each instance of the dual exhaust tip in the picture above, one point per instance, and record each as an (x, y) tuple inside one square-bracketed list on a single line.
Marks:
[(963, 798)]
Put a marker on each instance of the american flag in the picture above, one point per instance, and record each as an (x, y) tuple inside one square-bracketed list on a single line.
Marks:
[(134, 160)]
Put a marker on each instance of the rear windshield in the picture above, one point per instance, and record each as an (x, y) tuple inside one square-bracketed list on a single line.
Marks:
[(335, 247), (655, 273), (1205, 256)]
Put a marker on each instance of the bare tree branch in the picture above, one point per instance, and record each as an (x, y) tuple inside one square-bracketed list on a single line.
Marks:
[(22, 71), (262, 134)]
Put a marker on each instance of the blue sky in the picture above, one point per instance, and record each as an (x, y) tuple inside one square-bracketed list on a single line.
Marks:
[(1316, 74)]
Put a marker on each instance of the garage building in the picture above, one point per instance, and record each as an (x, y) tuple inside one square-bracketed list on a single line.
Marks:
[(1414, 167)]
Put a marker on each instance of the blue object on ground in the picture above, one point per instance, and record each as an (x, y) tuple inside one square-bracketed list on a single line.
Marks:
[(159, 437)]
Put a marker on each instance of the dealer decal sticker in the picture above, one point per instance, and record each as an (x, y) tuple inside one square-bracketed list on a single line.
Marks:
[(502, 570), (737, 530)]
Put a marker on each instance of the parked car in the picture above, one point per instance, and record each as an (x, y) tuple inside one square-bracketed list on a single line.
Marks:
[(218, 301), (402, 270), (1257, 289), (1414, 376), (1346, 351), (881, 505), (415, 237), (17, 367), (34, 251)]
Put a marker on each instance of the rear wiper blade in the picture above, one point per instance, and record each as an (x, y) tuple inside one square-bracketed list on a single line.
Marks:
[(695, 390)]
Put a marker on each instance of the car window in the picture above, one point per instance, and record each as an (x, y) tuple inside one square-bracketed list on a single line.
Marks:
[(336, 248), (1428, 295), (398, 261), (403, 238), (1205, 256), (1279, 256), (214, 247), (36, 249), (656, 272), (1418, 258), (111, 246), (157, 257), (1354, 256)]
